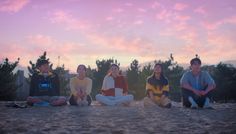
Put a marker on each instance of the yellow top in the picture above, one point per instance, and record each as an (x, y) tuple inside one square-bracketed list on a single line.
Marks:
[(76, 83), (156, 89)]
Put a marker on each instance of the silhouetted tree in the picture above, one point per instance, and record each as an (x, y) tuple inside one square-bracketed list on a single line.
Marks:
[(133, 78), (8, 85), (64, 79), (225, 78)]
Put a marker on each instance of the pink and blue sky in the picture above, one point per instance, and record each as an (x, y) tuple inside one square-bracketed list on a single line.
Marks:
[(83, 31)]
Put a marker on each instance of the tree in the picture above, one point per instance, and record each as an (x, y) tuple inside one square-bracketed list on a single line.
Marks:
[(133, 78), (133, 73), (7, 80), (225, 79), (64, 79), (141, 87)]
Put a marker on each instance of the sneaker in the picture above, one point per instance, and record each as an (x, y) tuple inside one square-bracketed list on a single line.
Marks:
[(193, 103), (207, 104), (16, 105), (194, 106)]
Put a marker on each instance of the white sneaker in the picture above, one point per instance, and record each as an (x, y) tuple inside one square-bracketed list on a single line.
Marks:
[(207, 103), (193, 103)]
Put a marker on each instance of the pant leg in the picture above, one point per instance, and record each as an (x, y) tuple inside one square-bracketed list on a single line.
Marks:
[(57, 100), (107, 100), (165, 102), (148, 102), (124, 99), (185, 94), (33, 99), (89, 99), (73, 101), (202, 99)]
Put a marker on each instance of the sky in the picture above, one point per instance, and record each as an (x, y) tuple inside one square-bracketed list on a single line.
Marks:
[(83, 31)]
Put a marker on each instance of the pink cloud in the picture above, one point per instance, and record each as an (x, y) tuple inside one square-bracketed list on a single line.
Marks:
[(70, 52), (142, 10), (201, 11), (211, 26), (175, 21), (100, 46), (224, 42), (120, 45), (231, 20), (217, 24), (165, 15), (222, 50), (14, 50), (12, 5), (182, 18), (118, 10), (42, 42), (128, 4), (138, 22), (71, 23), (180, 6), (219, 47), (109, 18), (155, 5)]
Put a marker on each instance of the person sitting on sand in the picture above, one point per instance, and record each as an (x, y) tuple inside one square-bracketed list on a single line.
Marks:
[(196, 86), (157, 88), (45, 87), (80, 87), (114, 89)]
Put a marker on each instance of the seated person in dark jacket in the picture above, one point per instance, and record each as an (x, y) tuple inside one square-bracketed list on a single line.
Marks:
[(45, 87)]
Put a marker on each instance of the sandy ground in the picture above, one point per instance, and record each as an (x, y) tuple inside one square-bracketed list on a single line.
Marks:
[(118, 120)]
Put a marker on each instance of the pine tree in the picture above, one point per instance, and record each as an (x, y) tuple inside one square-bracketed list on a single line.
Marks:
[(64, 79), (133, 79), (8, 85), (225, 79)]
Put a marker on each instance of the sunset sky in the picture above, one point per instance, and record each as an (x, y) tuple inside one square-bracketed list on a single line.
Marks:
[(83, 31)]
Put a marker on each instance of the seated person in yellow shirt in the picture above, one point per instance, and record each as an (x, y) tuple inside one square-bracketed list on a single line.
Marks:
[(80, 87), (157, 89)]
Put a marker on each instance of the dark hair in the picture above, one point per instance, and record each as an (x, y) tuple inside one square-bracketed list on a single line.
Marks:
[(41, 62), (163, 80), (81, 65), (115, 65), (158, 64), (195, 60)]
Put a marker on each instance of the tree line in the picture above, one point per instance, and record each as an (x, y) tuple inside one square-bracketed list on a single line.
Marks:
[(223, 74)]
